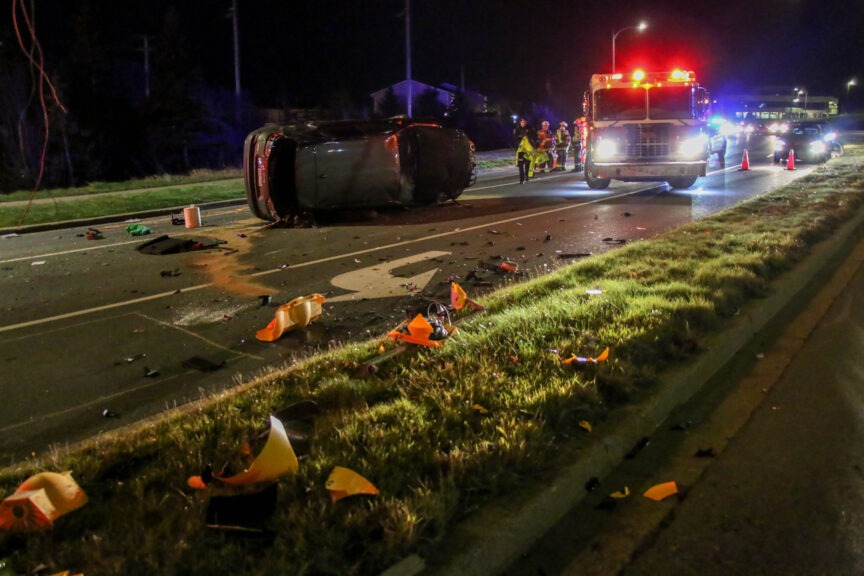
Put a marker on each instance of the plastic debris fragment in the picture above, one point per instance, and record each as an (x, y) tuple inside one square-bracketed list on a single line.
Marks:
[(661, 491), (40, 500), (297, 313), (619, 494), (344, 482), (459, 298), (585, 360), (276, 459)]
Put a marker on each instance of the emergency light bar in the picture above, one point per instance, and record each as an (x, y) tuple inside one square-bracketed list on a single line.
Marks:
[(646, 79)]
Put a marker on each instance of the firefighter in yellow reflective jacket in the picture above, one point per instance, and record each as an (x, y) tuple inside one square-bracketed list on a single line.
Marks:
[(527, 156), (546, 147), (562, 145)]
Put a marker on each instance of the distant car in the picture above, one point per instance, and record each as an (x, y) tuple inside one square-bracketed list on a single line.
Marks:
[(812, 141), (316, 166)]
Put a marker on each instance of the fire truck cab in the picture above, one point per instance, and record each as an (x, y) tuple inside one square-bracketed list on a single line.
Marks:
[(647, 127)]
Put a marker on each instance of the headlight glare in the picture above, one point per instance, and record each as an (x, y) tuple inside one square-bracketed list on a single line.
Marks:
[(606, 149), (693, 147), (818, 147)]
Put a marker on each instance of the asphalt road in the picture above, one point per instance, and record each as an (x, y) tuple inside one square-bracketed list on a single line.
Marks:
[(95, 335)]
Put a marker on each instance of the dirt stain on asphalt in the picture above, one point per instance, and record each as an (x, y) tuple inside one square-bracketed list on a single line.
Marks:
[(223, 264)]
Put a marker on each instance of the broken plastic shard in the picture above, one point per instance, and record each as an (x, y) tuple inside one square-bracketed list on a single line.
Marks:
[(661, 491)]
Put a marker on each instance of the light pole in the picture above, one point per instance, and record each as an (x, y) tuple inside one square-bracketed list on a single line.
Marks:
[(849, 85), (641, 26)]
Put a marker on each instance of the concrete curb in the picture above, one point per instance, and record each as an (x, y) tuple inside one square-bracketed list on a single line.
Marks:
[(496, 536)]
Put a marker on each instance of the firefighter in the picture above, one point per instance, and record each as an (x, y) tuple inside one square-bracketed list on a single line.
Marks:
[(523, 135), (578, 143), (562, 145), (546, 147), (526, 158)]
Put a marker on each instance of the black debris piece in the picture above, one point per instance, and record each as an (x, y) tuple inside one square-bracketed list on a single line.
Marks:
[(705, 453), (640, 445), (244, 512)]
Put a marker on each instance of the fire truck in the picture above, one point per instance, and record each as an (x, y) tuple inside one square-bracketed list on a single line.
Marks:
[(648, 127)]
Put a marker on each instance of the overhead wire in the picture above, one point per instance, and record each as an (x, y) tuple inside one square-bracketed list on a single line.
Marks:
[(37, 63)]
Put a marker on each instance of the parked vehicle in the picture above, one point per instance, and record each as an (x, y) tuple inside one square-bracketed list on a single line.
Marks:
[(296, 168), (812, 141)]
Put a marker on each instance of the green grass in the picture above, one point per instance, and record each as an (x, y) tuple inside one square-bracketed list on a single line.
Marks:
[(442, 431), (99, 199), (160, 181)]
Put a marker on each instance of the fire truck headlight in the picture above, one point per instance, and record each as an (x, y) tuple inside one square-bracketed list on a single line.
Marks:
[(693, 147), (605, 149)]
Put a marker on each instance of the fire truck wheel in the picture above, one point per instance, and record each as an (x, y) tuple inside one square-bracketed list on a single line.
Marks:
[(681, 182), (593, 182)]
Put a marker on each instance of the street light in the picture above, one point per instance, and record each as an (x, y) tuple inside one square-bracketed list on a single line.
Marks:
[(849, 85), (641, 26), (799, 93)]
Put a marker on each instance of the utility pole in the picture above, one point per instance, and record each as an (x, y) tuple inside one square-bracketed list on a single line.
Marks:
[(146, 50), (236, 49), (408, 52)]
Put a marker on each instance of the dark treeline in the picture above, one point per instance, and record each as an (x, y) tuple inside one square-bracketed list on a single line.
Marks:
[(103, 125), (110, 121)]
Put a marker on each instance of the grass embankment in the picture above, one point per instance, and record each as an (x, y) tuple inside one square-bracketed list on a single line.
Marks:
[(101, 198), (437, 431)]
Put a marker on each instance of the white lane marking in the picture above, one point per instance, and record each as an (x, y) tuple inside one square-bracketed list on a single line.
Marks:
[(378, 282)]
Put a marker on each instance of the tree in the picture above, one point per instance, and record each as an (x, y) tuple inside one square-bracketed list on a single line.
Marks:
[(175, 114)]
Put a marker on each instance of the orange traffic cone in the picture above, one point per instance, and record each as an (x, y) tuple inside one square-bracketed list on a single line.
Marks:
[(790, 162), (745, 162)]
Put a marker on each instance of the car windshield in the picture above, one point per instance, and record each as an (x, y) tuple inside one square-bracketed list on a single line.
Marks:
[(806, 130)]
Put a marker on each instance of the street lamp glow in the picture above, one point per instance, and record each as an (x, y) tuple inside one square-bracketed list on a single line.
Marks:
[(849, 85), (640, 27)]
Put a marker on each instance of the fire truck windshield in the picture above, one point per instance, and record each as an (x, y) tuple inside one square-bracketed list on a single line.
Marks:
[(663, 103), (620, 104), (671, 102)]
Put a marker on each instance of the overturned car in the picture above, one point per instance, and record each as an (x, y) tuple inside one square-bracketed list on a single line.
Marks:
[(316, 166)]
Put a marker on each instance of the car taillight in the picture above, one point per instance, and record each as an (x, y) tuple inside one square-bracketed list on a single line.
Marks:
[(392, 144)]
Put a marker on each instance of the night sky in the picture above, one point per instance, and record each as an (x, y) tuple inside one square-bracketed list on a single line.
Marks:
[(300, 53)]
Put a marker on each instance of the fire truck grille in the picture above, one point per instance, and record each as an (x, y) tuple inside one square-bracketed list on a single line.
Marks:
[(647, 140)]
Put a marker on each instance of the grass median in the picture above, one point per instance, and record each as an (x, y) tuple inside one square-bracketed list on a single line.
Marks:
[(438, 431)]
